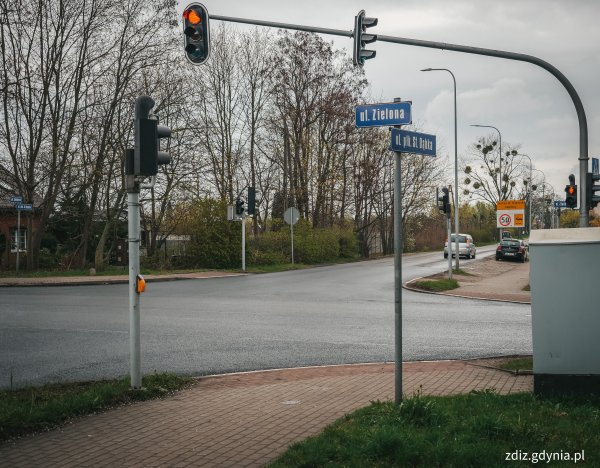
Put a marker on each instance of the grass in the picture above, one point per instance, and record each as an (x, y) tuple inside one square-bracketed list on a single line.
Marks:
[(478, 429), (527, 288), (36, 409), (436, 285), (518, 364), (460, 271), (109, 271)]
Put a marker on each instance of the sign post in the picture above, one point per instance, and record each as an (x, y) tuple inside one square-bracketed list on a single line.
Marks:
[(20, 206), (291, 216), (510, 213)]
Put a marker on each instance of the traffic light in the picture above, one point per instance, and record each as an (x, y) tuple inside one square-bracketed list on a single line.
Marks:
[(251, 200), (361, 23), (571, 193), (239, 207), (591, 189), (147, 154), (196, 33), (443, 202)]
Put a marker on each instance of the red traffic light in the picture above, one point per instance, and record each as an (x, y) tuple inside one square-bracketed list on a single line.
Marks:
[(192, 16), (570, 190), (196, 33)]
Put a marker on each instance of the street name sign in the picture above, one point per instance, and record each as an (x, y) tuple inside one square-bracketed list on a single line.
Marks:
[(413, 142), (595, 166), (510, 213), (24, 207), (560, 204), (383, 115), (16, 199)]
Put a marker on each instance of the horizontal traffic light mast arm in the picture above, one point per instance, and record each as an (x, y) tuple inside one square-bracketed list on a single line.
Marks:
[(274, 24)]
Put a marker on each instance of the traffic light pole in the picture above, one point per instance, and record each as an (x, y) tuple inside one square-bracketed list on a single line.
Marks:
[(243, 223), (133, 217), (583, 129), (449, 229)]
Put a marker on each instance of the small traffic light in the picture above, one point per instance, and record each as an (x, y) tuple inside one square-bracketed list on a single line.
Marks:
[(149, 156), (140, 284), (361, 23), (571, 193), (443, 202), (591, 189), (196, 33), (251, 200), (239, 207)]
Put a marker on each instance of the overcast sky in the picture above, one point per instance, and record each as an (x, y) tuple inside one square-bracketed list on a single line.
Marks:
[(527, 104)]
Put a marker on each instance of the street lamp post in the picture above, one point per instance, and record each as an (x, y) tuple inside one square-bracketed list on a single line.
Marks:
[(499, 168), (515, 153), (456, 206)]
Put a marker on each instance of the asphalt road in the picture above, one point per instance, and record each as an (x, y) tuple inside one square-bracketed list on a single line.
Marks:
[(325, 315)]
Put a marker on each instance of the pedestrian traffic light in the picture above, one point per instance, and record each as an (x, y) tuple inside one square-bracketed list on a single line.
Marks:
[(251, 200), (361, 23), (196, 33), (147, 154), (571, 196), (591, 189), (443, 202), (239, 207)]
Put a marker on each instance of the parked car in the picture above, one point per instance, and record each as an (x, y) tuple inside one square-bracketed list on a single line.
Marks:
[(466, 246), (513, 249)]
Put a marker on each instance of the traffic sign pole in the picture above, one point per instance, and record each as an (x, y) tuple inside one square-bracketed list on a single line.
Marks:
[(18, 237)]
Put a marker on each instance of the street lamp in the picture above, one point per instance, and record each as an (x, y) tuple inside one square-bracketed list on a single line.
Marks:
[(515, 153), (499, 167), (456, 209)]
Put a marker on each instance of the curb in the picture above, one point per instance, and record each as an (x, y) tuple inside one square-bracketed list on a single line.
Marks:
[(99, 281), (408, 286)]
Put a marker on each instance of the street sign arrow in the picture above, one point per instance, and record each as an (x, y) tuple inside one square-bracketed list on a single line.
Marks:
[(383, 115)]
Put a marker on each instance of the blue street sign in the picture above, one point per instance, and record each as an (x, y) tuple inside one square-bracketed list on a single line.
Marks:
[(16, 199), (413, 142), (560, 204), (24, 207), (595, 166), (383, 115)]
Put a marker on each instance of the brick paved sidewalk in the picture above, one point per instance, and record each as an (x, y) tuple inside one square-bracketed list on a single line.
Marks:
[(241, 419)]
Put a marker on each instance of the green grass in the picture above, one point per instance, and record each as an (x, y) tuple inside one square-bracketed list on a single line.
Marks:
[(110, 271), (477, 429), (436, 285), (462, 272), (517, 364), (36, 409)]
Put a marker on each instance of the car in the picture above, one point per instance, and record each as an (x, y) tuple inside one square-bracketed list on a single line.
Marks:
[(512, 249), (466, 246)]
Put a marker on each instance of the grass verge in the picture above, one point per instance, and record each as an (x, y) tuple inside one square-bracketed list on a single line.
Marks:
[(35, 409), (462, 272), (435, 285), (518, 364), (478, 429), (110, 271)]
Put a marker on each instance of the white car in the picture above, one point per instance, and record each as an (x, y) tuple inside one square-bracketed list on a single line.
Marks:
[(466, 246)]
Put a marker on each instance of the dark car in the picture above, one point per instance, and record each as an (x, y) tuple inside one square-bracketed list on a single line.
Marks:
[(513, 249)]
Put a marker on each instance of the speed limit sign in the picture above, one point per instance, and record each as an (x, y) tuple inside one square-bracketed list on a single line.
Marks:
[(510, 213), (505, 220)]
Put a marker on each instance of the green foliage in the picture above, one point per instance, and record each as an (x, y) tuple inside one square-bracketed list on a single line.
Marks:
[(311, 246), (35, 409), (436, 285), (215, 242), (478, 429), (569, 219)]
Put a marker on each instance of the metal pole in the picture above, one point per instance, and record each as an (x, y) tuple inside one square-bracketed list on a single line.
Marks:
[(243, 243), (449, 229), (456, 203), (133, 216), (292, 232), (398, 278), (18, 236)]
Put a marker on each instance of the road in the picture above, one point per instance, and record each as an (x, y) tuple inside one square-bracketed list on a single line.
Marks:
[(324, 315)]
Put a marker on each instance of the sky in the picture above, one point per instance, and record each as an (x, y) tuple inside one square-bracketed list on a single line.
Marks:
[(528, 105)]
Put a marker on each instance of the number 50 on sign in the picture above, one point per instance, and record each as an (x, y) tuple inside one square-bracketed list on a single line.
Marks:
[(510, 213)]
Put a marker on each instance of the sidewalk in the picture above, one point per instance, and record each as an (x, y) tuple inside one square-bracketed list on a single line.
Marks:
[(491, 280), (242, 419), (99, 279)]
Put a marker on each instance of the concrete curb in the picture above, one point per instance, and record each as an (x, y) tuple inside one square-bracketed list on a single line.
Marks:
[(408, 286)]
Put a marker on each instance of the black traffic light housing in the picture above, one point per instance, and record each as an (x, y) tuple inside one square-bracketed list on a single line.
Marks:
[(239, 207), (147, 133), (591, 189), (196, 33), (443, 202), (361, 23), (251, 200), (571, 193)]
